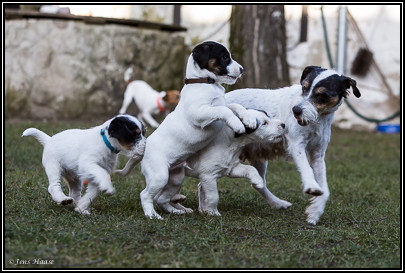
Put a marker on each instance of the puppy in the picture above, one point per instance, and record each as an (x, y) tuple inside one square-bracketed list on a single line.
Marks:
[(79, 155), (221, 158), (307, 109), (199, 116), (148, 101)]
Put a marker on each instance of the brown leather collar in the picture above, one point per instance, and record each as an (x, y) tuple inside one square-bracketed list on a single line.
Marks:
[(199, 80)]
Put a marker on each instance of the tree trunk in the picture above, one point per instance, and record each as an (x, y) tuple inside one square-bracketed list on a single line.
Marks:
[(258, 43)]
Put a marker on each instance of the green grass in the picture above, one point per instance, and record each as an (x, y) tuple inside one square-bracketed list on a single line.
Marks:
[(360, 228)]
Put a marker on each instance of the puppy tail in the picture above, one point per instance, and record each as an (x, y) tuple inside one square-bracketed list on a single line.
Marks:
[(38, 134), (128, 74)]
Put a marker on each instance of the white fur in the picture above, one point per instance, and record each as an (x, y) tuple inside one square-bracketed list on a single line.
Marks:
[(302, 141), (197, 119), (78, 155), (146, 99), (221, 158)]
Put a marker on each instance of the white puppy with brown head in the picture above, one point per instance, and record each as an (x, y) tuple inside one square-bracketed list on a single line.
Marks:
[(199, 116), (148, 101), (79, 155)]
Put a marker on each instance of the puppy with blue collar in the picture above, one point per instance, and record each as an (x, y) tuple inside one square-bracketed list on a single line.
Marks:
[(88, 155)]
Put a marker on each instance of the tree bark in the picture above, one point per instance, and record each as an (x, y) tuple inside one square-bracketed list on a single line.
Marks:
[(258, 43)]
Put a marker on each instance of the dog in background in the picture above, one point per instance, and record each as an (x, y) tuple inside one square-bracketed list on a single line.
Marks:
[(148, 101), (79, 155), (307, 109), (197, 119)]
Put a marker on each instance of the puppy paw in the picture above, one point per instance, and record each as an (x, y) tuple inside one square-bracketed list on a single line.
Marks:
[(250, 121), (237, 126), (313, 191), (213, 212), (82, 211), (153, 215), (188, 210), (178, 198), (108, 191), (280, 204), (66, 201)]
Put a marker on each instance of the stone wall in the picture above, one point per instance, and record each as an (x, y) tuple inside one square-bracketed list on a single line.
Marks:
[(69, 69)]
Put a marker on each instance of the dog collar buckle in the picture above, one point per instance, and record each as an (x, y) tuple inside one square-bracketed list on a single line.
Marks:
[(199, 80), (107, 143)]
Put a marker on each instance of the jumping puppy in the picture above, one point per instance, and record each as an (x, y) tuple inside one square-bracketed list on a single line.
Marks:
[(199, 116), (307, 110), (78, 155), (221, 158), (148, 101)]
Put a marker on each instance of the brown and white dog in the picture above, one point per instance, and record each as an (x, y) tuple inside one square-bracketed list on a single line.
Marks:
[(148, 101)]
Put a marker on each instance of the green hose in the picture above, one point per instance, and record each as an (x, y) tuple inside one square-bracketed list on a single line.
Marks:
[(331, 65)]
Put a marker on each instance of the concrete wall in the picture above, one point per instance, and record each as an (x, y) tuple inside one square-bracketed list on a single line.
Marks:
[(68, 69)]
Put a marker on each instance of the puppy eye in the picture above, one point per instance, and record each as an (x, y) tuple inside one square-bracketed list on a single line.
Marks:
[(265, 123), (225, 57)]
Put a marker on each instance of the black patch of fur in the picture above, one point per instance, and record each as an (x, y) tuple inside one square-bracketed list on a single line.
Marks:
[(203, 53), (125, 130)]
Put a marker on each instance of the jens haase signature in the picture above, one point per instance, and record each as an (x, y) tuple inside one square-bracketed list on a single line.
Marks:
[(38, 261)]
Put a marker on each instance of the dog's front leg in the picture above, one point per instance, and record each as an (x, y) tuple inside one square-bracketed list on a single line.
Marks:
[(206, 114), (316, 209), (99, 176), (132, 162), (247, 119), (150, 120), (298, 153), (250, 172)]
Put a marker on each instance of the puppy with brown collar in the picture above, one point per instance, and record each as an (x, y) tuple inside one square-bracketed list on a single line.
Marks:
[(79, 155), (196, 121), (148, 101)]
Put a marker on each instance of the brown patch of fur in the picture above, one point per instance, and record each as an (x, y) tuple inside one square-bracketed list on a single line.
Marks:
[(172, 98), (324, 107)]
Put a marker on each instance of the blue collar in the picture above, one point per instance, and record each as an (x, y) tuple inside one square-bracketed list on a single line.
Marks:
[(114, 150)]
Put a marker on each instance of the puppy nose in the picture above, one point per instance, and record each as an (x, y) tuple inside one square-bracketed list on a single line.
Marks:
[(241, 70), (297, 110), (282, 125)]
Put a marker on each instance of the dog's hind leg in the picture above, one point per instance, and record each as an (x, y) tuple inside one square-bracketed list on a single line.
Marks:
[(156, 176), (75, 188), (208, 195), (258, 184), (163, 199), (53, 172), (90, 195)]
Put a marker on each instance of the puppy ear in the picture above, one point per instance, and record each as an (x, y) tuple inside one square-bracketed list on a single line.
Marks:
[(307, 71), (352, 83), (201, 55), (306, 80)]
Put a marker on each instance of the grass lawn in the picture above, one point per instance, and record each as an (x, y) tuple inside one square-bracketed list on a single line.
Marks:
[(361, 226)]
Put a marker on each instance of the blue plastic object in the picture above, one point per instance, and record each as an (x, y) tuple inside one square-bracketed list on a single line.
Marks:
[(389, 128)]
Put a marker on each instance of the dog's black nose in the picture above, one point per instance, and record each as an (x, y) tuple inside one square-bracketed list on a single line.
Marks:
[(297, 110), (282, 125), (241, 70)]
